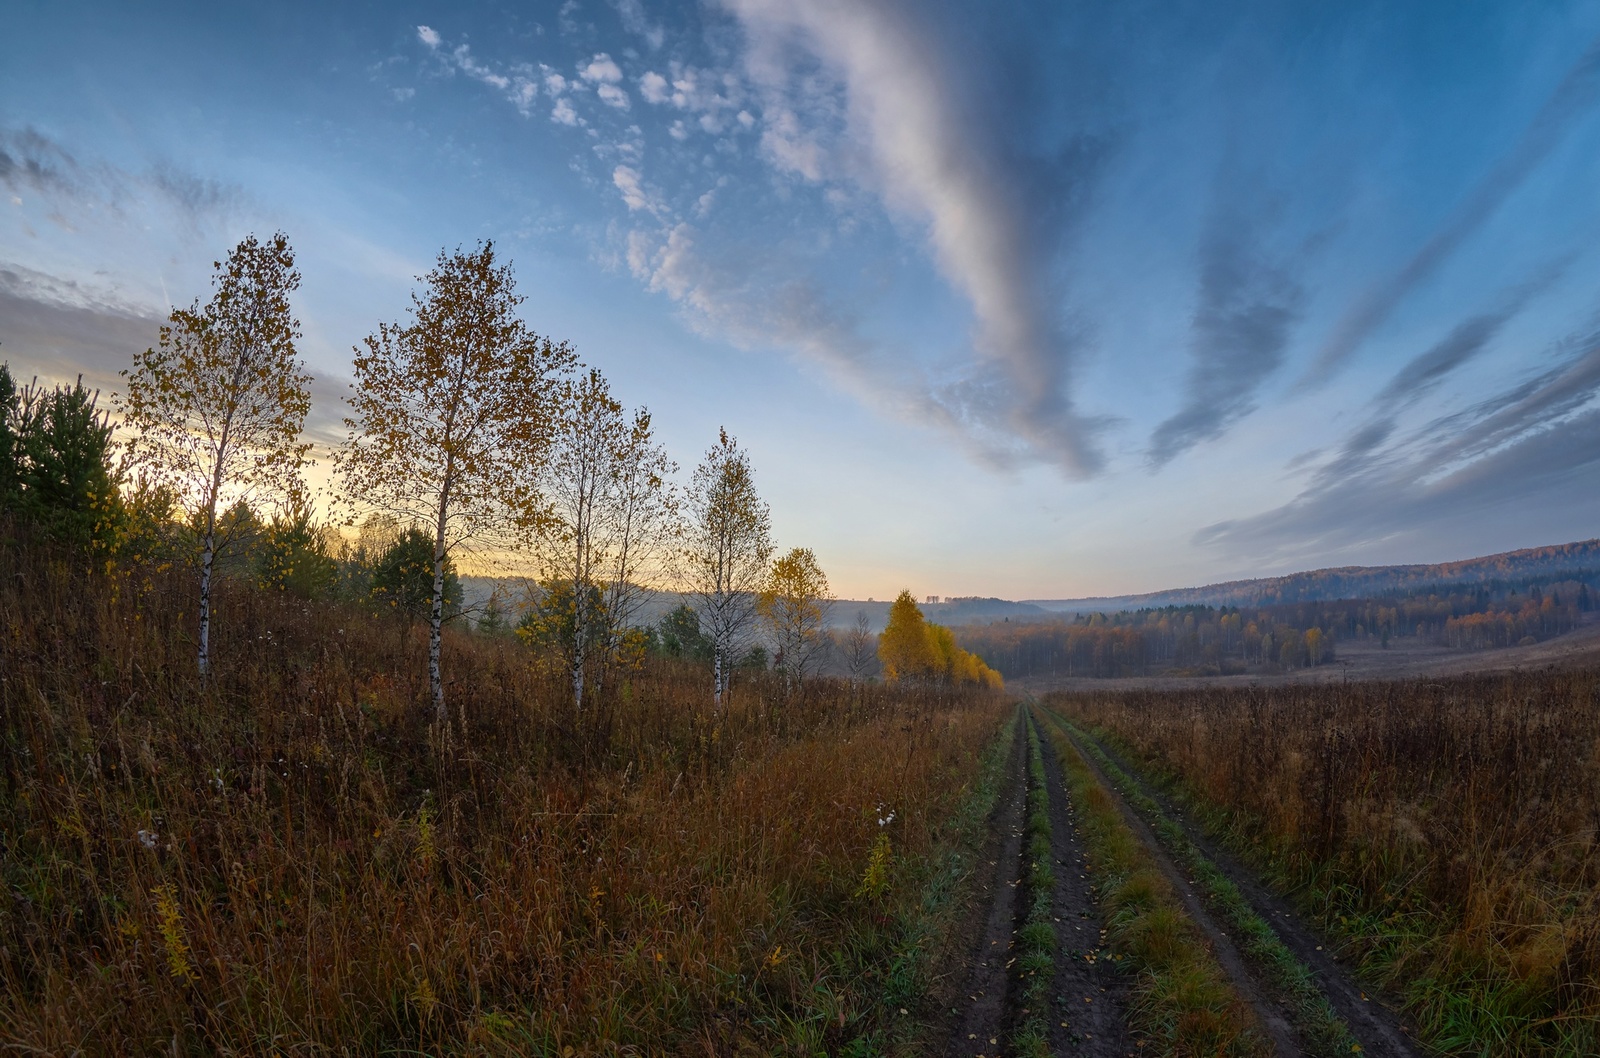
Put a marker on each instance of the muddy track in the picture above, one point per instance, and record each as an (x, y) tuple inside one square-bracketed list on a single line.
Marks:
[(1274, 1021), (982, 1021), (1089, 1016), (1088, 994), (1380, 1031)]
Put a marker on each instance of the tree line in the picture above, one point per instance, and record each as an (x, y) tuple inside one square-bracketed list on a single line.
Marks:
[(468, 436), (1204, 639)]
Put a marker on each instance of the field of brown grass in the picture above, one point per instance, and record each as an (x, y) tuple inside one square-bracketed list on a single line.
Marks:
[(1406, 657), (288, 860), (1445, 830)]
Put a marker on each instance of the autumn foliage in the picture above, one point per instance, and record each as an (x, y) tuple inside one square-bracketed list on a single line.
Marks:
[(912, 650)]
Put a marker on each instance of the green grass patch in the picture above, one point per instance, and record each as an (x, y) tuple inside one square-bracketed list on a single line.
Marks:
[(1036, 939)]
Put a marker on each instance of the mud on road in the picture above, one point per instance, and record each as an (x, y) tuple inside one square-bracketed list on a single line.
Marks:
[(1087, 991), (981, 1025), (1090, 992)]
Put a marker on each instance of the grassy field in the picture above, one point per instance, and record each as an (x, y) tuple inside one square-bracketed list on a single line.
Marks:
[(288, 860), (1445, 830)]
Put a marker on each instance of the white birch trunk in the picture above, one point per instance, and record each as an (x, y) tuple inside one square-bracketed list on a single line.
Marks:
[(436, 616), (206, 559)]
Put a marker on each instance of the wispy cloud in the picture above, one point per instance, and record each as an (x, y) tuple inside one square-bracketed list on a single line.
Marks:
[(936, 156), (715, 96), (1364, 448), (1537, 443), (32, 163), (864, 96), (756, 306), (1574, 98), (59, 329), (635, 21), (519, 85), (1247, 303)]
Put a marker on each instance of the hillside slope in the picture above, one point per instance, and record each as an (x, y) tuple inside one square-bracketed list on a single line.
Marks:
[(1580, 561)]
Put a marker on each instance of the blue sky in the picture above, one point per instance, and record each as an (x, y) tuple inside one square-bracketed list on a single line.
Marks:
[(1031, 300)]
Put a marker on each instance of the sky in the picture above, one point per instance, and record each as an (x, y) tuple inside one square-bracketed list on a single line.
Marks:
[(1031, 300)]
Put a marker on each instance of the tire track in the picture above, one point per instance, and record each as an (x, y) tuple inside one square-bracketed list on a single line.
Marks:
[(1090, 1017), (1379, 1030), (1274, 1021), (984, 1023)]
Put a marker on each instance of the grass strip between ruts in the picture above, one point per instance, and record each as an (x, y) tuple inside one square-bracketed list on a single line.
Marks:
[(1455, 1013), (1036, 940), (1182, 1001), (1314, 1018)]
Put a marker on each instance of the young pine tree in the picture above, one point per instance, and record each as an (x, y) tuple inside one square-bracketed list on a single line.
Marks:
[(62, 452)]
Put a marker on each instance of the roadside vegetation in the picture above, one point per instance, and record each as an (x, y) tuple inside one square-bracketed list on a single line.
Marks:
[(1442, 831), (1182, 1001), (278, 859), (268, 785)]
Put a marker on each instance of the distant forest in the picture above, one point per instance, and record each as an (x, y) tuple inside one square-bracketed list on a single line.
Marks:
[(1543, 566), (1219, 640)]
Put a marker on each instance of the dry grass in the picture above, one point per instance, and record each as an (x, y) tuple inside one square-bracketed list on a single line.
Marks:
[(1447, 829), (286, 861)]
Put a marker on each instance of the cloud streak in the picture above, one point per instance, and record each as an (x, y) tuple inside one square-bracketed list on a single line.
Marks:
[(936, 157), (1575, 97), (32, 163), (1538, 442), (1424, 372), (519, 87), (1247, 306)]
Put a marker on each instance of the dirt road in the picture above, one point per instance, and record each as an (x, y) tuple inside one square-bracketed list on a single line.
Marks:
[(1087, 1017), (1089, 993)]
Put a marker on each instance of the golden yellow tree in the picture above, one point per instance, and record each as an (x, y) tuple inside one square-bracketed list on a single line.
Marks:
[(218, 405), (452, 416), (905, 648), (913, 649), (795, 605), (942, 646)]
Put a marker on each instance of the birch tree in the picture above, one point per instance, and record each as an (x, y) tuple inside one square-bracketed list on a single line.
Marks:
[(795, 605), (607, 514), (218, 405), (448, 411), (728, 542)]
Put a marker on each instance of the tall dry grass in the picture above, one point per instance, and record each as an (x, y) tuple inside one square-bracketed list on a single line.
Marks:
[(1446, 828), (288, 861)]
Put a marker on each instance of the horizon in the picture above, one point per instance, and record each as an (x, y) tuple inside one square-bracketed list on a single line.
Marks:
[(1022, 304)]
